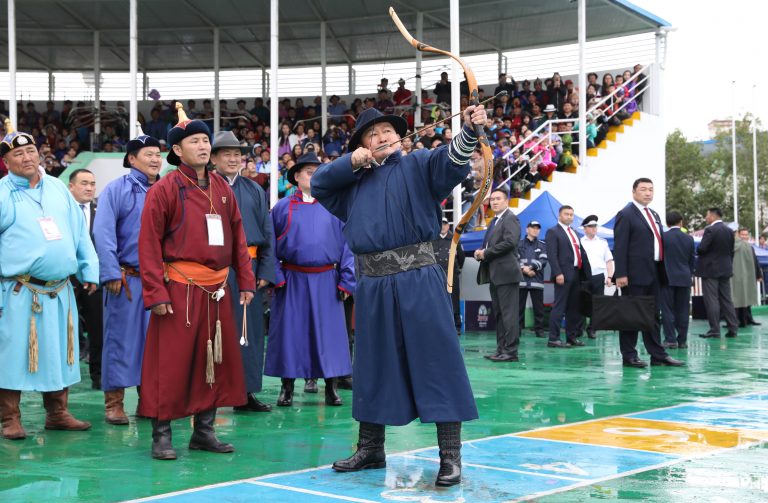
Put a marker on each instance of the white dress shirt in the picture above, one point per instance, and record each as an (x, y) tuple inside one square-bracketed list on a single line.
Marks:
[(598, 253)]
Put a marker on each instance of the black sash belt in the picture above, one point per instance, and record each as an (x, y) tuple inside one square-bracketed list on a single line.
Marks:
[(397, 260)]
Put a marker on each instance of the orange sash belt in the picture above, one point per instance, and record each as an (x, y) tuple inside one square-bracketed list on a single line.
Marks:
[(253, 251), (192, 273)]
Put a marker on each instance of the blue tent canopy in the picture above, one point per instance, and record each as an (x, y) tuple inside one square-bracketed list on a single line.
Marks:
[(544, 209)]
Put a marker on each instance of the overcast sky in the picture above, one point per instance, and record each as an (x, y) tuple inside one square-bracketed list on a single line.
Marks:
[(715, 43)]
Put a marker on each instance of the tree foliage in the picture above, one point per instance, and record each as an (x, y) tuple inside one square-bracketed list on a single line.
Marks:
[(696, 181)]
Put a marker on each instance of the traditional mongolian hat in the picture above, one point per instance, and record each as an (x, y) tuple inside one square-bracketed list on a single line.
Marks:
[(138, 143), (184, 128), (371, 116), (14, 139), (304, 160), (227, 139)]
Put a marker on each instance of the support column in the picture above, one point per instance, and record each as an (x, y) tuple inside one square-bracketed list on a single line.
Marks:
[(582, 84), (97, 86), (274, 140), (51, 86), (12, 63), (350, 80), (754, 159), (733, 153), (457, 77), (501, 57), (134, 57), (324, 93), (264, 84), (216, 106), (419, 36)]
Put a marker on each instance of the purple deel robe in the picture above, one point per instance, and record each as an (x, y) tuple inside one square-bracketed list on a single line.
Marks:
[(307, 332)]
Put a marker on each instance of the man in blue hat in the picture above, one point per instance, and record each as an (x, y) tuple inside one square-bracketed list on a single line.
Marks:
[(408, 361), (191, 235), (227, 156), (315, 274), (43, 241), (116, 233)]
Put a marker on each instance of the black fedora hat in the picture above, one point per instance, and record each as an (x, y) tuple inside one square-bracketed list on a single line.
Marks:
[(371, 116), (308, 158)]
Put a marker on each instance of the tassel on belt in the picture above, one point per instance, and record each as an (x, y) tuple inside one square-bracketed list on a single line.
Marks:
[(51, 289), (200, 276)]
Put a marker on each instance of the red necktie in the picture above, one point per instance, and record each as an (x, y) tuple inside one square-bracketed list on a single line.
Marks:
[(656, 233), (576, 249)]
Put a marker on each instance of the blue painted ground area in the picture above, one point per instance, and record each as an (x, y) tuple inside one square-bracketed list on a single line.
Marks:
[(494, 469), (748, 412)]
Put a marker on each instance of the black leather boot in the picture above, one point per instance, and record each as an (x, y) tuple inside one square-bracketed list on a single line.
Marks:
[(344, 382), (370, 450), (162, 448), (310, 385), (750, 319), (204, 436), (331, 396), (286, 393), (449, 441)]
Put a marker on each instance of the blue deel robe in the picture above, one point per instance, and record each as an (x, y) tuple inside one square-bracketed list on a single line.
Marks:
[(408, 361), (116, 232), (258, 232), (24, 250), (307, 329)]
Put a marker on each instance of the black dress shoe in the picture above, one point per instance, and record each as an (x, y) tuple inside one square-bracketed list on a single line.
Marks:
[(635, 362), (731, 335), (491, 357), (558, 344), (709, 336), (755, 323), (682, 345), (541, 335), (670, 345), (591, 334), (668, 362), (254, 405), (504, 358), (576, 342)]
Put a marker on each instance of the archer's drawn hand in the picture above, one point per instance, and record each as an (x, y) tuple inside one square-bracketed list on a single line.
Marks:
[(475, 115), (362, 158)]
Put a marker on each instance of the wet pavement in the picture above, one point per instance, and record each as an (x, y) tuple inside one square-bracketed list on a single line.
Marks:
[(703, 451)]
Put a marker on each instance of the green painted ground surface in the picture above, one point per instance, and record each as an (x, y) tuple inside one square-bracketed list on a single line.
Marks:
[(549, 387)]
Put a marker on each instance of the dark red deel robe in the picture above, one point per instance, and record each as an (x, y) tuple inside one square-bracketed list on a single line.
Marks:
[(173, 228)]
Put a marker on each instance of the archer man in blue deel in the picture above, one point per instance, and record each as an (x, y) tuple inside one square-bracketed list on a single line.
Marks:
[(408, 362)]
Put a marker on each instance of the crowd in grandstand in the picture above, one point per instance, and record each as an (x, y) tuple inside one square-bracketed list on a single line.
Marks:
[(525, 154)]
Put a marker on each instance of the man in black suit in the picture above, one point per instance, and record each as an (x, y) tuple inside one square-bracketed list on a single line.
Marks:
[(569, 266), (715, 268), (442, 247), (500, 266), (82, 186), (679, 260), (639, 257)]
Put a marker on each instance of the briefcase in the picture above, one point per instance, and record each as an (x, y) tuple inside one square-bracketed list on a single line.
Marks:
[(622, 312)]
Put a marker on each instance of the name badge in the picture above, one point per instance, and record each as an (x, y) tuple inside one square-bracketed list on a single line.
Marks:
[(215, 230), (50, 230)]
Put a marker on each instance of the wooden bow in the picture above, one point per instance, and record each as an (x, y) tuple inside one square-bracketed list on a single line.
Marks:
[(474, 99)]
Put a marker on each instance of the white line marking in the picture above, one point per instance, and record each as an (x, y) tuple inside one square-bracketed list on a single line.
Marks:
[(499, 469), (310, 491)]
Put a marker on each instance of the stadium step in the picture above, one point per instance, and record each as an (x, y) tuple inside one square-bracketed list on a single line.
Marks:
[(592, 152), (611, 136), (617, 129)]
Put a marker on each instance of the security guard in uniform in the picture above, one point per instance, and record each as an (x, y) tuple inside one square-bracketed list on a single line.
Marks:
[(533, 259), (442, 249)]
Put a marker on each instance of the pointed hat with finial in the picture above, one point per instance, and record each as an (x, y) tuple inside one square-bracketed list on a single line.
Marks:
[(138, 143), (185, 127), (14, 139)]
